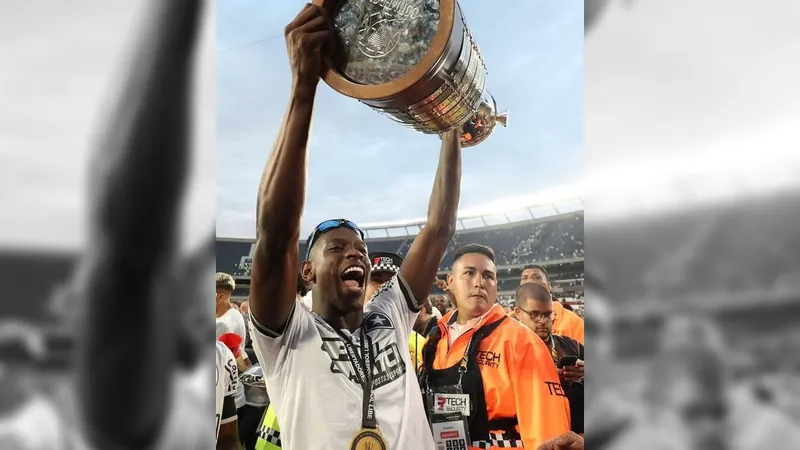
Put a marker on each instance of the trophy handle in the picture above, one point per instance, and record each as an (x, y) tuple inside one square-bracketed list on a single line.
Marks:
[(502, 119)]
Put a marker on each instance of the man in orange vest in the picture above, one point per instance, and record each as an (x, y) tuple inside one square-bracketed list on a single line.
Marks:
[(489, 382), (566, 322), (534, 309)]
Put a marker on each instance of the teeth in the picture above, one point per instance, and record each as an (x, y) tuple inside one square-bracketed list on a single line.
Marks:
[(355, 269)]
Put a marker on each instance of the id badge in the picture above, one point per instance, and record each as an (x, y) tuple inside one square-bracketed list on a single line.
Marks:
[(450, 404), (450, 432), (448, 400)]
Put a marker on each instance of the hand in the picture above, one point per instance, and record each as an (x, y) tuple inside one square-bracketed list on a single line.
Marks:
[(572, 373), (567, 441), (441, 284), (306, 37)]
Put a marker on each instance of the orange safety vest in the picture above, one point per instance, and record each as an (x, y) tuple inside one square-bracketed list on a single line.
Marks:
[(567, 323), (519, 377)]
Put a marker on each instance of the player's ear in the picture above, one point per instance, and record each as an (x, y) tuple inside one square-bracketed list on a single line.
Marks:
[(307, 272), (449, 280)]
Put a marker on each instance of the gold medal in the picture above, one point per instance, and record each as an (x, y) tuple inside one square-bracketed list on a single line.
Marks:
[(368, 439)]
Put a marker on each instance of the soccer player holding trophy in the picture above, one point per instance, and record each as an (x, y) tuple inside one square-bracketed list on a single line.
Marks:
[(339, 375)]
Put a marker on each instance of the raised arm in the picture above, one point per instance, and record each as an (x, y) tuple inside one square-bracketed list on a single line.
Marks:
[(138, 187), (282, 191), (422, 261)]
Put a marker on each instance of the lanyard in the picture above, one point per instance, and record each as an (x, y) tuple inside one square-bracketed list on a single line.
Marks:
[(363, 368), (462, 369), (553, 351)]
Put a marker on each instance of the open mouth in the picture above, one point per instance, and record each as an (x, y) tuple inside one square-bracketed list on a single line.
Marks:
[(353, 278)]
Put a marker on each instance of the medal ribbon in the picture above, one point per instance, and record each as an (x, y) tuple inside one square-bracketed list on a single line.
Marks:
[(363, 368)]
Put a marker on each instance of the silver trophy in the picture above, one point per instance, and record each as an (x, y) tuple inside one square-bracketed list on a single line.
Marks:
[(414, 61)]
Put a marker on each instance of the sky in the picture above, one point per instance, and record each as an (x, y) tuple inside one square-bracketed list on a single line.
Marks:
[(369, 169)]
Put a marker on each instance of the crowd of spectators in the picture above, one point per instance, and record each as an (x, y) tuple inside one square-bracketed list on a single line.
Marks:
[(520, 243)]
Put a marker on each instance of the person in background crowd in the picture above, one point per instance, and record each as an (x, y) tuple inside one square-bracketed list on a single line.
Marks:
[(229, 319), (435, 311), (333, 388), (384, 266), (442, 303), (227, 377), (248, 343), (234, 343), (426, 322), (534, 309), (515, 396), (566, 322)]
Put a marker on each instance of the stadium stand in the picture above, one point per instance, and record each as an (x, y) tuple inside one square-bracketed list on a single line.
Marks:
[(555, 242)]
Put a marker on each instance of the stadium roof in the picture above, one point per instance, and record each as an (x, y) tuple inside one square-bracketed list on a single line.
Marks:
[(541, 205)]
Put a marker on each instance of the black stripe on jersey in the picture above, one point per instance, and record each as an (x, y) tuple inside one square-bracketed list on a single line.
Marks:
[(229, 409), (412, 303), (270, 333)]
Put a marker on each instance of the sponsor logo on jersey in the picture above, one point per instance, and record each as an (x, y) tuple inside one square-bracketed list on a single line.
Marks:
[(387, 365), (377, 321)]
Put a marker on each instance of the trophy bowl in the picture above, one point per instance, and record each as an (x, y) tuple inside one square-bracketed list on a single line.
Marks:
[(414, 61)]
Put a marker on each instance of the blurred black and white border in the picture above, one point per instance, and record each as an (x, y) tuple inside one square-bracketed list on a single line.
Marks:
[(693, 199), (71, 74)]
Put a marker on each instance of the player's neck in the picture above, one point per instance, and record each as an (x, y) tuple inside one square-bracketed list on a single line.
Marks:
[(337, 319), (223, 307), (463, 316)]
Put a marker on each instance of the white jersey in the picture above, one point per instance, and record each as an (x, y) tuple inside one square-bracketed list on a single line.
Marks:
[(313, 386), (226, 380), (232, 322)]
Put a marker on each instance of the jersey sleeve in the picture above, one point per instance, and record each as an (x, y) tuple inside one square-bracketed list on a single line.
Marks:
[(275, 351), (231, 374), (396, 300), (538, 393)]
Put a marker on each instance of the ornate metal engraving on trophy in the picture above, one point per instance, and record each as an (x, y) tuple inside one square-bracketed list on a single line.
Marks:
[(384, 39)]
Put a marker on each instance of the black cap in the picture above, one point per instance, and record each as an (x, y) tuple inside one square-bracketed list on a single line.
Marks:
[(385, 262)]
